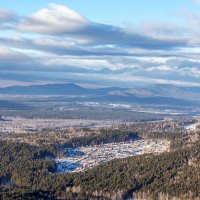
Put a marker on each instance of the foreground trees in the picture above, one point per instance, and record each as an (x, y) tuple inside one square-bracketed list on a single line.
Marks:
[(27, 172)]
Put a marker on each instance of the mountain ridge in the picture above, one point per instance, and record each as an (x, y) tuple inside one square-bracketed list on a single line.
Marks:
[(155, 94)]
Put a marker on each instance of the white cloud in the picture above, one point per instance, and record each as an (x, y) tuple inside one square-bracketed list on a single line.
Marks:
[(56, 19)]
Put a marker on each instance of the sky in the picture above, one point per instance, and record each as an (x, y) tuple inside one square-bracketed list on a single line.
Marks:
[(108, 42)]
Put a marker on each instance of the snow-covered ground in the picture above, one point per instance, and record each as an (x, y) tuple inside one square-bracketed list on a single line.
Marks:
[(23, 125), (83, 158)]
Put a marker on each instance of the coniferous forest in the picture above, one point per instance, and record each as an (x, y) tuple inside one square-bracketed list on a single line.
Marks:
[(26, 173)]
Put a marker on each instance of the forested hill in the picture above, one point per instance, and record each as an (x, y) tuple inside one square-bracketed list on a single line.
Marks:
[(27, 173)]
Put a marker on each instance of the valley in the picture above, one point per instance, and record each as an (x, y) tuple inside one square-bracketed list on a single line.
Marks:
[(89, 145)]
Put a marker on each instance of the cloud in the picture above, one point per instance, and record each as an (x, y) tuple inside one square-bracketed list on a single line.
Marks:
[(58, 20), (6, 19), (49, 64), (6, 16), (13, 61), (65, 46), (55, 20), (7, 55), (59, 44), (108, 34)]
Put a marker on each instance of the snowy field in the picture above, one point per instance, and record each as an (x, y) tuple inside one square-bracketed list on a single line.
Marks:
[(23, 125), (83, 158)]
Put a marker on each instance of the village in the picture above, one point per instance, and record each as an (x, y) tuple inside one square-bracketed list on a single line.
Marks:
[(83, 158)]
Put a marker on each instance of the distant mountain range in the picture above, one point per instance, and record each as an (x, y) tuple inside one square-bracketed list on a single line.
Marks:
[(51, 89), (152, 94)]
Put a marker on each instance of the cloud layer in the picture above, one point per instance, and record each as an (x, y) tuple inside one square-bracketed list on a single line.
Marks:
[(59, 44)]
